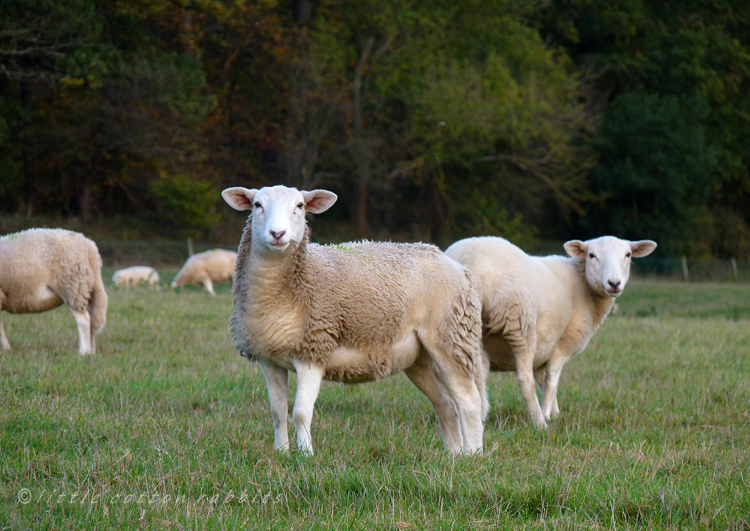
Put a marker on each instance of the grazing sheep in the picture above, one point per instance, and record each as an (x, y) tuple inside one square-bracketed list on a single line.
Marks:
[(41, 269), (216, 265), (353, 313), (539, 312), (134, 275)]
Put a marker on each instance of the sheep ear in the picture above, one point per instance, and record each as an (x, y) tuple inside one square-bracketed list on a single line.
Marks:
[(239, 198), (576, 248), (318, 201), (642, 248)]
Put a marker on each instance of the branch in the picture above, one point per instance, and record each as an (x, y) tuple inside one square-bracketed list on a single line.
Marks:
[(29, 51), (398, 172), (21, 76), (529, 165)]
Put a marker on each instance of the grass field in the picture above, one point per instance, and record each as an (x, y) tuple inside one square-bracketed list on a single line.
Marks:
[(168, 428)]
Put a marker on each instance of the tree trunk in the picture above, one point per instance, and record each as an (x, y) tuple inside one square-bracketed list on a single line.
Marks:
[(360, 148)]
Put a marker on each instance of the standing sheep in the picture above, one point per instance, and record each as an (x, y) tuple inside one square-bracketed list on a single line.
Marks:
[(539, 312), (216, 265), (134, 275), (41, 269), (353, 313)]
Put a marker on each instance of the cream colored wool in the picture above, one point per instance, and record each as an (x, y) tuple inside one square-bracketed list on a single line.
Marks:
[(216, 265), (357, 312), (135, 275), (539, 312), (41, 269)]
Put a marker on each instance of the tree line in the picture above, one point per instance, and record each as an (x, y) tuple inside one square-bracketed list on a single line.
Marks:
[(432, 120)]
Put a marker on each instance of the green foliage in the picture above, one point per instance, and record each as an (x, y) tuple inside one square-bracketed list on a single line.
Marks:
[(188, 203), (654, 171), (681, 50), (10, 159), (483, 215), (406, 109)]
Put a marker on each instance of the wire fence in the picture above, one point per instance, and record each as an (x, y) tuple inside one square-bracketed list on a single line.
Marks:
[(116, 254), (692, 270), (174, 253)]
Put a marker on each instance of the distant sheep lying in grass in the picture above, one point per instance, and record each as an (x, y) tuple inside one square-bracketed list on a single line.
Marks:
[(134, 275), (353, 313), (41, 269), (539, 312), (216, 265)]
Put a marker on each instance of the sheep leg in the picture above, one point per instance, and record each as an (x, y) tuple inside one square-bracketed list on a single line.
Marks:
[(4, 343), (549, 397), (525, 376), (83, 320), (540, 375), (209, 286), (424, 375), (465, 394), (278, 384), (468, 401), (309, 378)]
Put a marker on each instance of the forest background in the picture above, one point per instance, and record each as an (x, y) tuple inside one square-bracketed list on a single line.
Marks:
[(432, 120)]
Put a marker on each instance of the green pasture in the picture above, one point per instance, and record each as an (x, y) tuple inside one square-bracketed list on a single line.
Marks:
[(167, 427)]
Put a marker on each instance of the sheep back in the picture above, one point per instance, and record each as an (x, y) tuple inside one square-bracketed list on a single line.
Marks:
[(217, 265), (132, 276), (354, 294), (67, 262), (524, 298)]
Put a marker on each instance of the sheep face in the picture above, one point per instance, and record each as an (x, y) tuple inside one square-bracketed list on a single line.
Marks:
[(278, 212), (607, 261)]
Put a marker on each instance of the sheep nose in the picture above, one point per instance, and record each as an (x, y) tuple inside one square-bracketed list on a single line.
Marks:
[(277, 235), (614, 284)]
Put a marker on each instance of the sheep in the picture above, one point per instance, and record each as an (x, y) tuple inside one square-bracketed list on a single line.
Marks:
[(353, 313), (134, 275), (41, 269), (539, 312), (216, 265)]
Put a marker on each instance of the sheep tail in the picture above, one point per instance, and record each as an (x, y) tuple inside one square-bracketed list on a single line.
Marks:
[(481, 363), (463, 337), (98, 302)]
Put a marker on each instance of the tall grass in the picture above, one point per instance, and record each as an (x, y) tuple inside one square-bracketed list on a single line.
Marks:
[(168, 428)]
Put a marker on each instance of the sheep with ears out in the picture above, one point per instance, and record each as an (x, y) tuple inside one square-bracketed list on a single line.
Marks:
[(41, 269), (353, 313), (539, 312)]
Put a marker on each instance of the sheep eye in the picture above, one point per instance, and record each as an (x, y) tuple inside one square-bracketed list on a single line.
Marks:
[(592, 255), (627, 255), (301, 206), (257, 205)]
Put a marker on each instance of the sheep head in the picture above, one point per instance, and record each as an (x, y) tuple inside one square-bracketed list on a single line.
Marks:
[(607, 261), (277, 213)]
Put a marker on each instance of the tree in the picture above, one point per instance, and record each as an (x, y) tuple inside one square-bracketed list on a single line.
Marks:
[(681, 51), (654, 172)]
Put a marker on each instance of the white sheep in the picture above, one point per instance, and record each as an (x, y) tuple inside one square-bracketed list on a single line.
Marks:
[(353, 313), (135, 275), (216, 265), (41, 269), (539, 312)]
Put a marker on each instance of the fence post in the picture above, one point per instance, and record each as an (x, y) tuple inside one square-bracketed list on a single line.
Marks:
[(684, 268), (734, 270), (190, 247)]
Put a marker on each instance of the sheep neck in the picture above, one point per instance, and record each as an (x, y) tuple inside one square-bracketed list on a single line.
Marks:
[(284, 272), (266, 304), (597, 306)]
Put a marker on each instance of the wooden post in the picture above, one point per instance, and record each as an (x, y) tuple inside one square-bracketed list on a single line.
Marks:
[(734, 270), (190, 247), (685, 269)]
